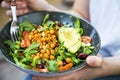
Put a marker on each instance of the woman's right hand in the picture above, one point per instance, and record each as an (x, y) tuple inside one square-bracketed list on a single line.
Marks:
[(26, 6)]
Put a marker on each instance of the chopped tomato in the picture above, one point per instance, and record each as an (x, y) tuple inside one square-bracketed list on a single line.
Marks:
[(86, 39), (25, 39)]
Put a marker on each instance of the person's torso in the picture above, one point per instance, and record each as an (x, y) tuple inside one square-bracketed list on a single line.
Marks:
[(105, 17)]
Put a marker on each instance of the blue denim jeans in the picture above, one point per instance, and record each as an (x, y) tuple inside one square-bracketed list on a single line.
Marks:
[(29, 77)]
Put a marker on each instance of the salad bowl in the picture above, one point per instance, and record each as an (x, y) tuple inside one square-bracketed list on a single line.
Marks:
[(37, 18)]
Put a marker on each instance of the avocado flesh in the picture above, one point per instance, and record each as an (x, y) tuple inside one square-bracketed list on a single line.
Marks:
[(71, 38)]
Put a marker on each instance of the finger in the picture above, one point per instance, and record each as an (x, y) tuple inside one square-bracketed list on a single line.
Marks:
[(18, 12), (94, 61), (19, 5), (5, 4)]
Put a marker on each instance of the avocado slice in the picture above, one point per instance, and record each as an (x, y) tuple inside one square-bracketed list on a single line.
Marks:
[(70, 37)]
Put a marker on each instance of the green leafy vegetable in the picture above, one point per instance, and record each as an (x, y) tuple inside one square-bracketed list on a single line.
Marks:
[(87, 50), (26, 25), (77, 23), (45, 18), (19, 63), (77, 26), (52, 65), (32, 46), (75, 60), (13, 45)]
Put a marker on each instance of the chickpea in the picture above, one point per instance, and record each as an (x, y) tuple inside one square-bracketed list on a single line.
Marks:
[(32, 56), (54, 40), (52, 57), (52, 31), (37, 57), (47, 46), (48, 52), (35, 31), (54, 36), (42, 39), (41, 55), (39, 35), (47, 39), (42, 51), (30, 37), (46, 56), (44, 43), (52, 51), (39, 41), (49, 35), (52, 45), (68, 60), (60, 63), (41, 46), (38, 54), (36, 35), (31, 33)]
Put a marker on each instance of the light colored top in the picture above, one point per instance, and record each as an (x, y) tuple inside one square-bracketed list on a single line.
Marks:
[(105, 17)]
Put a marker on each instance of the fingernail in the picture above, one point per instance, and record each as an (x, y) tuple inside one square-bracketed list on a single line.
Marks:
[(94, 61)]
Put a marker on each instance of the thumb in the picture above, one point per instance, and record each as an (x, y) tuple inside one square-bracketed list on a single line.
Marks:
[(94, 61)]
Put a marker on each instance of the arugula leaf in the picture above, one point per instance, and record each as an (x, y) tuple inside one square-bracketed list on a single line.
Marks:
[(75, 60), (77, 23), (34, 61), (19, 63), (46, 18), (52, 65), (13, 45), (10, 44), (77, 26), (50, 24), (42, 29), (68, 54), (60, 47), (86, 50), (27, 56), (26, 25), (32, 46)]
